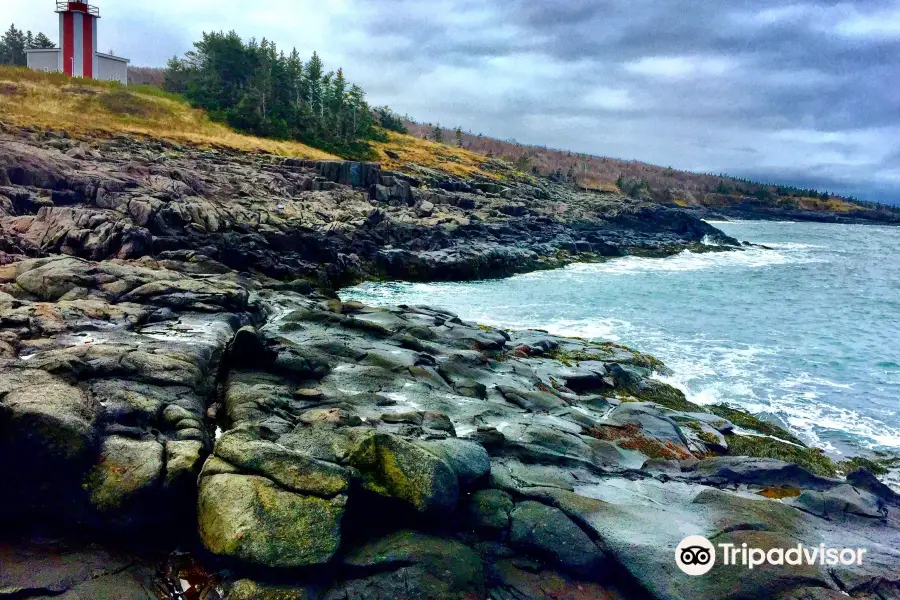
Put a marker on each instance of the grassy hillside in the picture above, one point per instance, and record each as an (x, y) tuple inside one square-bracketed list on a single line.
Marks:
[(402, 149), (83, 107), (87, 108), (662, 184)]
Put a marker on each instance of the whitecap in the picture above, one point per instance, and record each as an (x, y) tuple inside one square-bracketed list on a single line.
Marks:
[(753, 258)]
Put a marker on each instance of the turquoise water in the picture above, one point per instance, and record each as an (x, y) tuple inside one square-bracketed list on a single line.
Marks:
[(807, 332)]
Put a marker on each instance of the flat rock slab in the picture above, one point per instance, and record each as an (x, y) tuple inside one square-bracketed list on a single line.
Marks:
[(56, 570)]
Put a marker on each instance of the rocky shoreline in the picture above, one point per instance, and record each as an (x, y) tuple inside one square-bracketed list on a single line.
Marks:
[(758, 211), (188, 411)]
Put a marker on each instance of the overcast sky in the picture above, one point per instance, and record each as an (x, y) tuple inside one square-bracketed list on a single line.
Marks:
[(807, 92)]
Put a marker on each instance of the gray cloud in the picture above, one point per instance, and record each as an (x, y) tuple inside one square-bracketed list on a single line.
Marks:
[(797, 90)]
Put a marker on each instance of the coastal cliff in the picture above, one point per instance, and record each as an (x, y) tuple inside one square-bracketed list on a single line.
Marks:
[(187, 410)]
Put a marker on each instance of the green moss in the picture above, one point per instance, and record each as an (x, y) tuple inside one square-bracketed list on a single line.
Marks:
[(567, 357), (694, 425), (394, 468), (745, 420), (603, 351), (812, 459), (707, 437), (570, 357), (665, 395), (251, 519), (638, 358), (245, 589), (878, 466)]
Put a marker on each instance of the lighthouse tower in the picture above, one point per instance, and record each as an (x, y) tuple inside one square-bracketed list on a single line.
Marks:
[(77, 54), (78, 38)]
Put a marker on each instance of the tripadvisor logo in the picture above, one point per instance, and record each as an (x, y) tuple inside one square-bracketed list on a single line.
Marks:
[(696, 555)]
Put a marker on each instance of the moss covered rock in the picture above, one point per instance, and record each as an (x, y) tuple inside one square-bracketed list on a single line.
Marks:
[(488, 509), (46, 419), (812, 459), (394, 468), (249, 518), (247, 589), (127, 470), (290, 469), (183, 462)]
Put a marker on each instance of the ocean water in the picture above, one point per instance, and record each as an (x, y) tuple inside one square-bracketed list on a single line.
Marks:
[(806, 331)]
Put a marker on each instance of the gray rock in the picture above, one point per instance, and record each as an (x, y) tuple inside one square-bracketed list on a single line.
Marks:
[(469, 460), (438, 422), (407, 565), (840, 503), (532, 401), (549, 533), (73, 572), (863, 479), (248, 350), (653, 423), (489, 509), (758, 471)]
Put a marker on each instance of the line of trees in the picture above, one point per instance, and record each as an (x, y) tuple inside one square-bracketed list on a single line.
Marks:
[(258, 89), (15, 42)]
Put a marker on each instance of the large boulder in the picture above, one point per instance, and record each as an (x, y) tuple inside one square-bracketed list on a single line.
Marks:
[(127, 471), (46, 419), (395, 468), (249, 518), (48, 442)]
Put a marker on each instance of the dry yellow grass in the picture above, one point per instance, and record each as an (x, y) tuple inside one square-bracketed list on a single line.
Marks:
[(86, 108), (411, 149), (832, 205)]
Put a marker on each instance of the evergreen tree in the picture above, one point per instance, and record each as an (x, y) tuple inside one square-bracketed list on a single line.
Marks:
[(438, 134), (43, 42), (459, 137), (256, 88), (390, 120), (13, 44)]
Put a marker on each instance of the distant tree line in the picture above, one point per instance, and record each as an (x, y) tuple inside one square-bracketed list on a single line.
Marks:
[(258, 89), (15, 42), (635, 187)]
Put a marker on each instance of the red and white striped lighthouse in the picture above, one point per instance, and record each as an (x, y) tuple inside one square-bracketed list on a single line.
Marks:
[(78, 38)]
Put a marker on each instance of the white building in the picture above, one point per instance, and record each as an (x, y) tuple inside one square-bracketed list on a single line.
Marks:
[(77, 54)]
